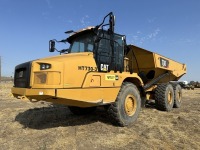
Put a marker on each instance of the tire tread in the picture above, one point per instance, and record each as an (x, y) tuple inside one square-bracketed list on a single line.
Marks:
[(160, 98), (113, 109)]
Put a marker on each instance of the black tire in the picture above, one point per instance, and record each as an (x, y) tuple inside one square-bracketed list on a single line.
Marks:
[(164, 97), (125, 110), (177, 95), (106, 107), (81, 111)]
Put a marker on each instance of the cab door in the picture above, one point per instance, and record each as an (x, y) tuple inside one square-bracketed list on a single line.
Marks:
[(110, 53)]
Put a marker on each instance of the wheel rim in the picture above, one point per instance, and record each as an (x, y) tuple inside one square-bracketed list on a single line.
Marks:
[(179, 96), (130, 105), (169, 97)]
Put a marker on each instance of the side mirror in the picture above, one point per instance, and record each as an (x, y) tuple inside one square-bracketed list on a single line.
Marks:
[(51, 46)]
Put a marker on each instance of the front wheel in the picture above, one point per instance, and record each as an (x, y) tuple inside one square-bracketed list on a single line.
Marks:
[(125, 110)]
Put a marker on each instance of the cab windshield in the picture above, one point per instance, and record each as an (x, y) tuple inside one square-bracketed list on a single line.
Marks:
[(82, 43)]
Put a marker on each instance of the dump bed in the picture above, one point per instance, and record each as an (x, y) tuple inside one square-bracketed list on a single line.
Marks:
[(150, 65)]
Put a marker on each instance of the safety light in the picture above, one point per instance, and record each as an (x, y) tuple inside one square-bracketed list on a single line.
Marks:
[(45, 66)]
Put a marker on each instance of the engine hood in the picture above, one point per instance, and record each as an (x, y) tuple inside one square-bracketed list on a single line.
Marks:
[(64, 71), (65, 57)]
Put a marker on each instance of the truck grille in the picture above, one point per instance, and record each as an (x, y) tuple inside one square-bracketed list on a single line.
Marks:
[(22, 75), (40, 78), (47, 78)]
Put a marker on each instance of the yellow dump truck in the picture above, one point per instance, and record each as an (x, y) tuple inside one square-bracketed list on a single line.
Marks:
[(99, 68)]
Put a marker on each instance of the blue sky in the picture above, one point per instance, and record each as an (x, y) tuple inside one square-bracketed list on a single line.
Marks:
[(170, 28)]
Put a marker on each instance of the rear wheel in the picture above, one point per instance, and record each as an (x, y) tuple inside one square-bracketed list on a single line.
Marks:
[(164, 97), (81, 111), (177, 95), (127, 106)]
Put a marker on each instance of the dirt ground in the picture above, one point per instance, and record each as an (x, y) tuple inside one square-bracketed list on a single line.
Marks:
[(41, 125)]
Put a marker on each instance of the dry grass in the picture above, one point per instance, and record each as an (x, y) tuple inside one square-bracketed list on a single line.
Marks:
[(25, 125)]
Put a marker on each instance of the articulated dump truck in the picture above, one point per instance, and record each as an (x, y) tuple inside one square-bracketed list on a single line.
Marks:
[(100, 69)]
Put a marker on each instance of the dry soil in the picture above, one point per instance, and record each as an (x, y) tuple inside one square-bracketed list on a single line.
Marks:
[(41, 125)]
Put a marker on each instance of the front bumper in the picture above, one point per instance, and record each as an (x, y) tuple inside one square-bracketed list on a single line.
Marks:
[(72, 97), (32, 92)]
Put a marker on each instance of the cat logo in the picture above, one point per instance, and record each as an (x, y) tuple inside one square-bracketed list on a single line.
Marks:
[(164, 63), (104, 67)]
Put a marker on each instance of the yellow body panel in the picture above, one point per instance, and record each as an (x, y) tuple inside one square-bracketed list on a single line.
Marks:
[(104, 92), (141, 60), (74, 80)]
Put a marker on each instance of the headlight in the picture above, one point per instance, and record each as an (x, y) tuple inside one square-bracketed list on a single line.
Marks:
[(45, 66)]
